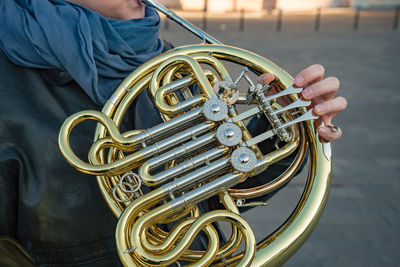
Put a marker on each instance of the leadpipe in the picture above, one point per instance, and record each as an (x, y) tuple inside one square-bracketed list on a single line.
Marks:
[(184, 23)]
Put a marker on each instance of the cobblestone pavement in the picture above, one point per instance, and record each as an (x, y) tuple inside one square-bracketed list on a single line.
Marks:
[(359, 226)]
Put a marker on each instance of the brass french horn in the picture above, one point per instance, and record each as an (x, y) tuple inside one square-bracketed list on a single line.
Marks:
[(202, 150)]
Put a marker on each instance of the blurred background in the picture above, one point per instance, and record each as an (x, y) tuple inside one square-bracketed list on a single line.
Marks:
[(359, 42)]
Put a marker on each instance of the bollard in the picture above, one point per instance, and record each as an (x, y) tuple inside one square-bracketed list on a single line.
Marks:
[(235, 5), (166, 23), (204, 20), (356, 19), (205, 15), (396, 18), (279, 21), (241, 20), (317, 19)]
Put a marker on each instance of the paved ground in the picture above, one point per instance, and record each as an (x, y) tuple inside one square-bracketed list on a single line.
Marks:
[(360, 224)]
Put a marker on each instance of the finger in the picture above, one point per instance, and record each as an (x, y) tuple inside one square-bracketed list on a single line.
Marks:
[(327, 134), (312, 73), (327, 88), (333, 106), (266, 78)]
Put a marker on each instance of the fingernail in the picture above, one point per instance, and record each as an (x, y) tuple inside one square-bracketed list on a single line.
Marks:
[(299, 80), (319, 109), (307, 92), (333, 128)]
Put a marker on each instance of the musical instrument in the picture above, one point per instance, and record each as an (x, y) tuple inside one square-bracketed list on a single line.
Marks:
[(202, 150)]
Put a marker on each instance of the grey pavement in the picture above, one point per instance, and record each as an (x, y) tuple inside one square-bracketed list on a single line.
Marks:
[(360, 224)]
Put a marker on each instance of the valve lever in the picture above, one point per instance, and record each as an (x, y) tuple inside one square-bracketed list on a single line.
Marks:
[(297, 104), (305, 117), (289, 91)]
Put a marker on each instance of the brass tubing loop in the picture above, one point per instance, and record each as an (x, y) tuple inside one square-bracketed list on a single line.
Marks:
[(158, 176)]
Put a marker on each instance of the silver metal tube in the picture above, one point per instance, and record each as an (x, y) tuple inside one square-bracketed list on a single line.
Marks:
[(197, 176), (189, 165), (177, 153), (207, 190), (170, 127), (178, 84), (184, 23), (177, 139), (189, 103)]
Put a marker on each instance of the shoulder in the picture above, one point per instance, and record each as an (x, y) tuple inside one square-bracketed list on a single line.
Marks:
[(7, 68)]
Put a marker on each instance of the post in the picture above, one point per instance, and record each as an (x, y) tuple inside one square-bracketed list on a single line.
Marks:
[(317, 19), (396, 18), (166, 23), (279, 22), (241, 20), (356, 19), (235, 5), (205, 15)]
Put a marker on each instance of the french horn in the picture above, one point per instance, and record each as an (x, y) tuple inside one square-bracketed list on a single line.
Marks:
[(158, 176)]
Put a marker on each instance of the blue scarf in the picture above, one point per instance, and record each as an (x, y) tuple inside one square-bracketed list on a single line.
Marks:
[(97, 52)]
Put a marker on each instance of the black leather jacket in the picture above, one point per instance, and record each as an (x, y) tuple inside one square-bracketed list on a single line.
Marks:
[(54, 211)]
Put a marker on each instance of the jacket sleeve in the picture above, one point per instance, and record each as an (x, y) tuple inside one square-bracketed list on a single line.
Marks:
[(9, 172)]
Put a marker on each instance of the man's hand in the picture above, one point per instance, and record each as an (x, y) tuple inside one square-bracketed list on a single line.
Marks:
[(321, 92)]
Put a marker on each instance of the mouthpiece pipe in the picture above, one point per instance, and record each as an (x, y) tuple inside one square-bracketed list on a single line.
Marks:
[(184, 23)]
